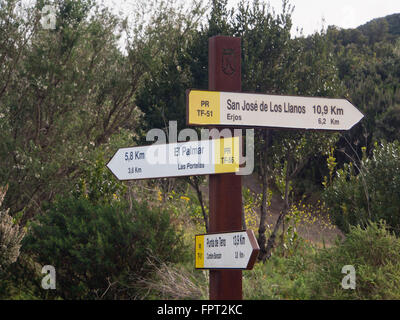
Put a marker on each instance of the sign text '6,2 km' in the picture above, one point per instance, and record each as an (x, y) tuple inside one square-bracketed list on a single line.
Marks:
[(261, 110)]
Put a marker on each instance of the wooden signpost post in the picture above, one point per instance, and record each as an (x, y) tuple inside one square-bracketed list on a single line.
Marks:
[(225, 191), (227, 249)]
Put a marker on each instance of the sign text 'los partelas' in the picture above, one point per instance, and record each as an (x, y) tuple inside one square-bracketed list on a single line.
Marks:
[(176, 159)]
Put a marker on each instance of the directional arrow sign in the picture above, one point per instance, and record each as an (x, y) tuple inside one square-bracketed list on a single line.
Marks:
[(176, 159), (230, 250), (260, 110)]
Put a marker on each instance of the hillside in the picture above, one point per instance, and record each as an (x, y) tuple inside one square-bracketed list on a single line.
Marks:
[(390, 25)]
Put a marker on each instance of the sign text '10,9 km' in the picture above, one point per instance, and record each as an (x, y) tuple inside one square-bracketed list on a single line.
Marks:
[(326, 110), (236, 109)]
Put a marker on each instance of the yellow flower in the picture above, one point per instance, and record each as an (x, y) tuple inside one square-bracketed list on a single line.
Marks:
[(187, 199)]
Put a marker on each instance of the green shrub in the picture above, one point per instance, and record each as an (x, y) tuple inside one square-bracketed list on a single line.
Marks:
[(311, 273), (11, 235), (22, 280), (98, 184), (372, 194), (280, 277), (375, 254), (97, 249)]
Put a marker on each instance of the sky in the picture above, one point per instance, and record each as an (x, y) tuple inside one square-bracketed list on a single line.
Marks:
[(309, 14)]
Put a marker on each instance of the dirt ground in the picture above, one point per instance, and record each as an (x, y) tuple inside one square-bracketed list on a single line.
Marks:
[(316, 227)]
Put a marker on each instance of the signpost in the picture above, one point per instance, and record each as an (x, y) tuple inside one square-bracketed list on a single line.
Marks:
[(225, 190), (230, 250), (176, 159), (261, 110), (226, 252)]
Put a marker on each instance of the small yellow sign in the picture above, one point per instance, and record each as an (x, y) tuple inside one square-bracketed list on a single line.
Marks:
[(199, 252), (227, 155), (204, 107)]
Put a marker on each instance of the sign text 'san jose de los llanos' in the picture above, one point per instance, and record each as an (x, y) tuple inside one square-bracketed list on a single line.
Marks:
[(261, 110)]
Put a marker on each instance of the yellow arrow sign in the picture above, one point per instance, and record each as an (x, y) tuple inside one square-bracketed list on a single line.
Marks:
[(227, 250), (237, 109)]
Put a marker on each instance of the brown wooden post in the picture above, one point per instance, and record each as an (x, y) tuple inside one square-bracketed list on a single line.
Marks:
[(224, 74)]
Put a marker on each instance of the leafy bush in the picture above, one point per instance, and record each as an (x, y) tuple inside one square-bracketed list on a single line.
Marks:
[(12, 285), (22, 279), (372, 194), (98, 184), (312, 273), (10, 236), (375, 254), (280, 277), (95, 249)]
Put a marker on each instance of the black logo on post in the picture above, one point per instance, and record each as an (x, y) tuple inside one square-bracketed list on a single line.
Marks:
[(228, 61)]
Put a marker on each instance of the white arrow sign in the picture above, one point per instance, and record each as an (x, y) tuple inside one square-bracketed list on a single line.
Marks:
[(260, 110), (230, 250), (176, 159)]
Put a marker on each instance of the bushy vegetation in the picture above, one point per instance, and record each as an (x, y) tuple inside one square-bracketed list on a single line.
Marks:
[(312, 273), (374, 253), (307, 273), (11, 235), (98, 249), (368, 189)]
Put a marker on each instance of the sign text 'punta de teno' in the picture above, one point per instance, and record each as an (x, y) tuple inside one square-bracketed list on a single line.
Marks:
[(261, 110), (176, 159), (228, 250)]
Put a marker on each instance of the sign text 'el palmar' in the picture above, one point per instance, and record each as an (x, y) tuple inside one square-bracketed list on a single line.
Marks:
[(176, 159)]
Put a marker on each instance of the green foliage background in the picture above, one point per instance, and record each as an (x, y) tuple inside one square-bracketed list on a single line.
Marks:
[(99, 249), (368, 191), (70, 97)]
